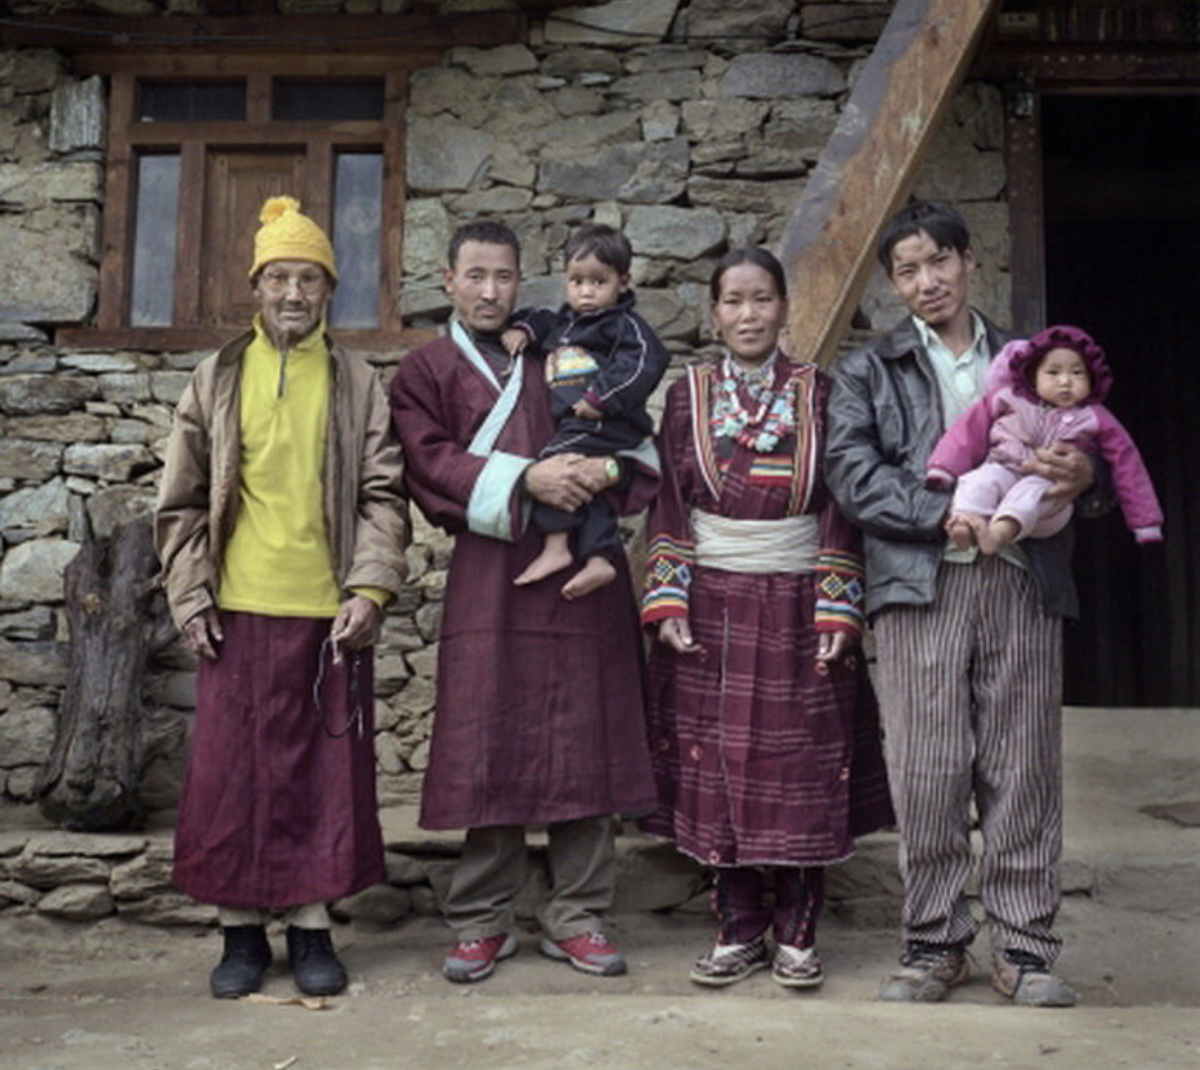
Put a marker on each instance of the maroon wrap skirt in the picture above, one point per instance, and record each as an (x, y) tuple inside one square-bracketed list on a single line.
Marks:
[(759, 758), (278, 806)]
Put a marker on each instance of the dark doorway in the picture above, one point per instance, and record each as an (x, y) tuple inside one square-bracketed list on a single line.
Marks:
[(1122, 231)]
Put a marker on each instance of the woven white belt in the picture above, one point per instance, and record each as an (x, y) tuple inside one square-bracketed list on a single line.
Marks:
[(791, 544)]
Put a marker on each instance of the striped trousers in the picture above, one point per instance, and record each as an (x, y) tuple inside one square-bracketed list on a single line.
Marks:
[(970, 693)]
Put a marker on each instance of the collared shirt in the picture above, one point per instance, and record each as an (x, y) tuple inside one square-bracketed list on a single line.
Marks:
[(961, 380)]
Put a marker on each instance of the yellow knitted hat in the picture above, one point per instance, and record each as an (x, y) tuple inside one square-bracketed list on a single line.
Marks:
[(285, 234)]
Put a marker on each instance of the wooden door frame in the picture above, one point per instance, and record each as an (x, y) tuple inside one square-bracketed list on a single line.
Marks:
[(1028, 79), (1027, 75)]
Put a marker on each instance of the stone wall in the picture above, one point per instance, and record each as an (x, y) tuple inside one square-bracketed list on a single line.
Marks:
[(84, 877), (691, 146)]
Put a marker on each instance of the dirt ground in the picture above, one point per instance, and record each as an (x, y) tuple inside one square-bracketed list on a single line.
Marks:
[(113, 996)]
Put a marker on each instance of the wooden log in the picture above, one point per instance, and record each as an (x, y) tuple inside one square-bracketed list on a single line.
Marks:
[(870, 163), (90, 780)]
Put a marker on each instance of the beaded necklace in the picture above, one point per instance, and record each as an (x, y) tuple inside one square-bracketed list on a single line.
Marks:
[(774, 411)]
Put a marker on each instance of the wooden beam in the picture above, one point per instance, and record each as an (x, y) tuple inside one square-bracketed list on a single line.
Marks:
[(1027, 217), (119, 184), (1158, 67), (315, 34), (395, 195), (186, 64), (230, 133), (870, 163), (181, 340)]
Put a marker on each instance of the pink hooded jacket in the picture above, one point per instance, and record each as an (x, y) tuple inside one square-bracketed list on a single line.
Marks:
[(1010, 421)]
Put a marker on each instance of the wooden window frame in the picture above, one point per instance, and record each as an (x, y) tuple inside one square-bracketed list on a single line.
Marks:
[(320, 142)]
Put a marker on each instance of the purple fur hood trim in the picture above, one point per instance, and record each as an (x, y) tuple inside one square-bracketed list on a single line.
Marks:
[(1024, 357)]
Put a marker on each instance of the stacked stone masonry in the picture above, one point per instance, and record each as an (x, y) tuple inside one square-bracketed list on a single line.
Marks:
[(85, 877), (693, 129)]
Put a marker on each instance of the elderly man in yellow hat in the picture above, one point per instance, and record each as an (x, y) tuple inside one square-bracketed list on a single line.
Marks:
[(281, 528)]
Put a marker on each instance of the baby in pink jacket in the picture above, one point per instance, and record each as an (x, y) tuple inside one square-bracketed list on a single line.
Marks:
[(1045, 390)]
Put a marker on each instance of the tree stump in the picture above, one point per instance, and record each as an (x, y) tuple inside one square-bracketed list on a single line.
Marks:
[(90, 780)]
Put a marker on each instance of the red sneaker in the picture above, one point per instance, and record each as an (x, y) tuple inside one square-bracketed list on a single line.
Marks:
[(473, 960), (589, 952)]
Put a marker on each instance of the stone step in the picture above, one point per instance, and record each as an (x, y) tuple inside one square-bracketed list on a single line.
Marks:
[(1131, 787)]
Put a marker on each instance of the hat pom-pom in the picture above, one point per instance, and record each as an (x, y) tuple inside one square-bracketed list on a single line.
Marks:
[(276, 207)]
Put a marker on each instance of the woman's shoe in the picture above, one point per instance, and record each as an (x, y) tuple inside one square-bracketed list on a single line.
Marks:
[(795, 967), (726, 964)]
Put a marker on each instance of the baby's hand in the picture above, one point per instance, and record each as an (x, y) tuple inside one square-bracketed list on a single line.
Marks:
[(514, 340), (585, 411)]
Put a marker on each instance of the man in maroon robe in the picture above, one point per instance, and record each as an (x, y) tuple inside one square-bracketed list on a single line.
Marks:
[(540, 706), (281, 529)]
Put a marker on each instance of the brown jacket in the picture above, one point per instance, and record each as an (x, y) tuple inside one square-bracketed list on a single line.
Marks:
[(366, 513)]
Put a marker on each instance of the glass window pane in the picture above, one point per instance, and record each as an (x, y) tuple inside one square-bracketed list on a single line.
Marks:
[(191, 101), (327, 99), (358, 201), (154, 240)]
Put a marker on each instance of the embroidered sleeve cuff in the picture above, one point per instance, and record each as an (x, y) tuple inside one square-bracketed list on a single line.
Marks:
[(662, 605), (840, 592), (668, 577), (832, 623), (489, 512)]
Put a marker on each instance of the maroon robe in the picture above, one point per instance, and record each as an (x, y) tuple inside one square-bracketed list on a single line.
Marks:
[(278, 804), (540, 701), (760, 759)]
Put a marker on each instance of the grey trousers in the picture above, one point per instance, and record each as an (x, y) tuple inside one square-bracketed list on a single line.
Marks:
[(309, 916), (483, 890), (970, 693)]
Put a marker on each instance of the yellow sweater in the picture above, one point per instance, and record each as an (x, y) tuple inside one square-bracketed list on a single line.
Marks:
[(278, 562)]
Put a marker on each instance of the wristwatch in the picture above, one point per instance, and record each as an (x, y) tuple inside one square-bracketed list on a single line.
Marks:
[(612, 469)]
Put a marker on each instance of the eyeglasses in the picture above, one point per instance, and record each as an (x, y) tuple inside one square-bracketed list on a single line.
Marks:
[(307, 282)]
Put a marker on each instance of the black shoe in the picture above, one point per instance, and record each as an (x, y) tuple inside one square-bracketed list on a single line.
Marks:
[(246, 958), (316, 968)]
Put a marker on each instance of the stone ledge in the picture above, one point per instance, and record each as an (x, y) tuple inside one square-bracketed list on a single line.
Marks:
[(87, 876), (1130, 843)]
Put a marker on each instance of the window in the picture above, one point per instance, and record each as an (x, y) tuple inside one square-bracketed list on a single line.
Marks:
[(196, 146)]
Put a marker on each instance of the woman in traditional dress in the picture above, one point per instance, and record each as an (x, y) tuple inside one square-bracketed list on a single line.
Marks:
[(763, 726)]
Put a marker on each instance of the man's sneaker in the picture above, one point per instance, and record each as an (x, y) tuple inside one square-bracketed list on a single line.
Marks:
[(473, 960), (726, 964), (589, 952), (927, 972), (246, 958), (795, 967), (1025, 978)]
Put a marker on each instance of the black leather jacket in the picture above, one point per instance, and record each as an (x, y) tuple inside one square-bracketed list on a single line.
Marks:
[(883, 420)]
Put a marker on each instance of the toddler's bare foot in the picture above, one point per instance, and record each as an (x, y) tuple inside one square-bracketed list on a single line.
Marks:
[(998, 534), (548, 562), (597, 573), (962, 535), (985, 538)]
